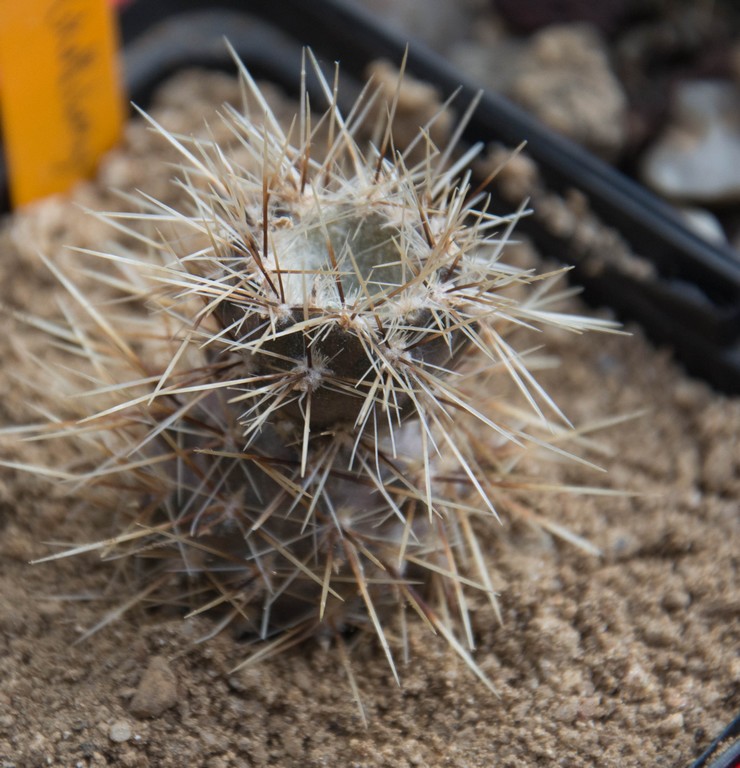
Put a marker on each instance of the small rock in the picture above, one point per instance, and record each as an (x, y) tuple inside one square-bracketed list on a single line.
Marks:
[(119, 731), (567, 82), (671, 725), (676, 600), (735, 670), (157, 690), (718, 468), (567, 712), (638, 684), (516, 174), (698, 158), (705, 224)]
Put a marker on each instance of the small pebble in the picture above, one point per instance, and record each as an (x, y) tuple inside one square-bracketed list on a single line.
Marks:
[(704, 223), (566, 80), (157, 690), (671, 725), (119, 731), (676, 600), (697, 159)]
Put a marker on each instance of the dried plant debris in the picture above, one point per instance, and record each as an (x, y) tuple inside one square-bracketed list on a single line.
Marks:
[(296, 391)]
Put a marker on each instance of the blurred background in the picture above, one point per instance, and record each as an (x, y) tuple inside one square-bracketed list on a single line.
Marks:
[(652, 86)]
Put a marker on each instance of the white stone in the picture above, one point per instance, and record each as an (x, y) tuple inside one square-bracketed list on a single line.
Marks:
[(704, 223), (119, 731), (697, 159)]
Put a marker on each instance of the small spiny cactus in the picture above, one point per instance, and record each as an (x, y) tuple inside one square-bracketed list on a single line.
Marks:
[(291, 432)]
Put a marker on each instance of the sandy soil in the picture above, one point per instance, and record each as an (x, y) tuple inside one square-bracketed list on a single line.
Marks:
[(629, 659)]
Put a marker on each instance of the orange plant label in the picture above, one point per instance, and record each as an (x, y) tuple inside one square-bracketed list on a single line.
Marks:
[(60, 92)]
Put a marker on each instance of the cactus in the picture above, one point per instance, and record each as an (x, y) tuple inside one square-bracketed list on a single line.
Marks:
[(292, 435)]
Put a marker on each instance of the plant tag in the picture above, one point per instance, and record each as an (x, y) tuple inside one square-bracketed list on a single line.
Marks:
[(60, 92)]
